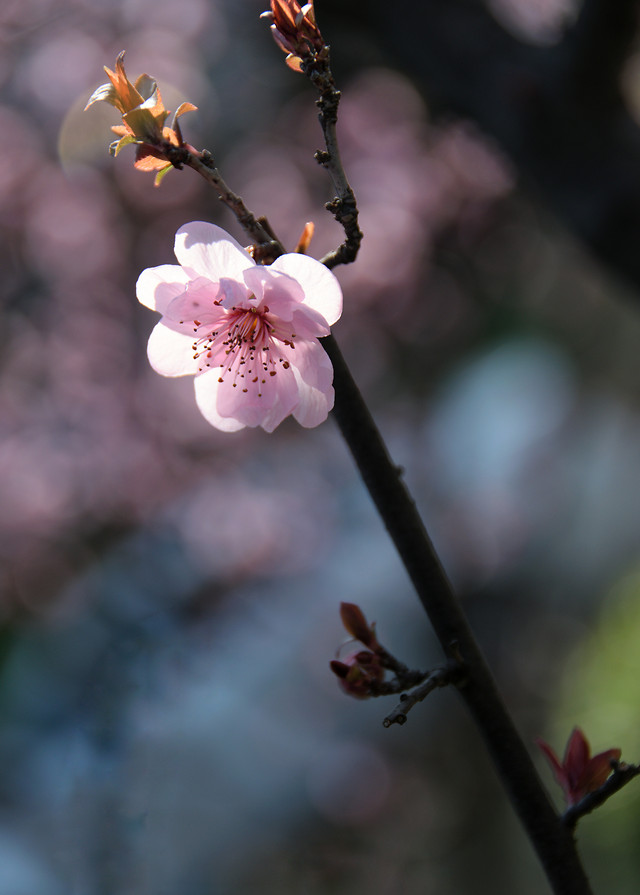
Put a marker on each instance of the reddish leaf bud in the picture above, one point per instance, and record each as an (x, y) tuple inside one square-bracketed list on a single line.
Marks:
[(356, 624), (357, 672), (296, 32), (579, 774), (305, 238)]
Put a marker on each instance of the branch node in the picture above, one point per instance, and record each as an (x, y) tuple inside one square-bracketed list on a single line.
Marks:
[(440, 677), (622, 774)]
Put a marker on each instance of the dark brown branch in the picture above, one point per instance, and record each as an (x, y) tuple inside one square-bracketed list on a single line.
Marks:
[(622, 774), (551, 839)]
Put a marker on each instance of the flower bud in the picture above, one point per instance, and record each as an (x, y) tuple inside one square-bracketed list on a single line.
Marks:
[(296, 32)]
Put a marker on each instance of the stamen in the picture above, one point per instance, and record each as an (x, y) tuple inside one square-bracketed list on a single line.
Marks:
[(245, 332)]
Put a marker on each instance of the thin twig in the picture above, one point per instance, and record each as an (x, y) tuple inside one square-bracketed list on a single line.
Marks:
[(439, 677), (260, 235), (395, 686), (622, 774), (343, 207)]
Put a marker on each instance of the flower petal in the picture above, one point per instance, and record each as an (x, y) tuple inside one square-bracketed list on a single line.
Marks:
[(233, 293), (321, 289), (314, 405), (157, 286), (285, 299), (280, 292), (206, 388), (196, 302), (265, 402), (282, 407), (309, 324), (170, 353), (314, 377), (311, 362), (211, 252)]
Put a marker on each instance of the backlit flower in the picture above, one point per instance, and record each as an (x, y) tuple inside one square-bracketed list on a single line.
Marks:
[(248, 333), (579, 773)]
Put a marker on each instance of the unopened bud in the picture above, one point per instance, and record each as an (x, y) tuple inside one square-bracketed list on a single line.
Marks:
[(357, 673), (356, 624)]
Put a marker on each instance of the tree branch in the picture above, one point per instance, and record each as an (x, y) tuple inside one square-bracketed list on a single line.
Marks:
[(622, 774), (551, 839)]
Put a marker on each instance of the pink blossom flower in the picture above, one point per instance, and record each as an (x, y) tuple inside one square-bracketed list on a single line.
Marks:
[(248, 333)]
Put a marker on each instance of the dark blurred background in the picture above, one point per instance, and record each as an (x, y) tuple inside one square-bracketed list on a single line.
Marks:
[(169, 594)]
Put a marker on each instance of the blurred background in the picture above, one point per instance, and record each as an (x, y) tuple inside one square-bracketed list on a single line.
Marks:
[(169, 594)]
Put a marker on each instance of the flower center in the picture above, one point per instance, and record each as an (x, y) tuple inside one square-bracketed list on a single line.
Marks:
[(244, 346)]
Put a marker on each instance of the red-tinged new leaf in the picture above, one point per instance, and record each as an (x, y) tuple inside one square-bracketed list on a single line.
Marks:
[(598, 770), (576, 753), (579, 774), (356, 624), (557, 768)]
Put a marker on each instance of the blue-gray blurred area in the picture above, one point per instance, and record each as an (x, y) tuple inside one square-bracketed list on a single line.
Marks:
[(169, 594)]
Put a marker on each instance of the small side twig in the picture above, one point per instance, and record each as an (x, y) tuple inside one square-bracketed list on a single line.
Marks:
[(295, 29), (258, 230), (343, 207), (439, 677), (622, 774)]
